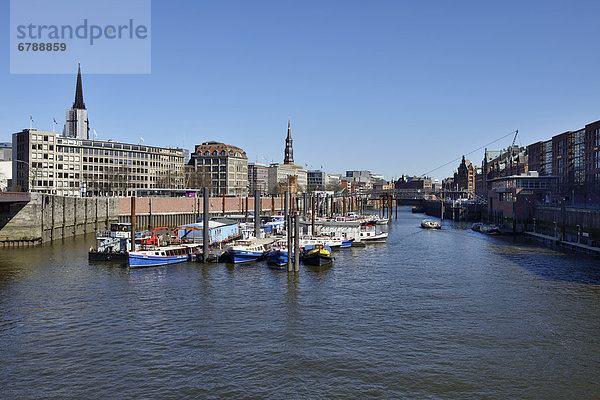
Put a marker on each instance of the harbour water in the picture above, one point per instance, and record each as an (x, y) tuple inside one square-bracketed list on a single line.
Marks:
[(430, 314)]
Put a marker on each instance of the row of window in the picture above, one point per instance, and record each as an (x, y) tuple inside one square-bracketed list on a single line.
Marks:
[(216, 153)]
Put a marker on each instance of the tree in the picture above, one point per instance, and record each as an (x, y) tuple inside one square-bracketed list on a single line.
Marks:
[(197, 177), (333, 187), (274, 190)]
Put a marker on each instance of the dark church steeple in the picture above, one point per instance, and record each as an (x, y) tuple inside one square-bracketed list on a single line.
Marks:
[(77, 124), (79, 104), (289, 151)]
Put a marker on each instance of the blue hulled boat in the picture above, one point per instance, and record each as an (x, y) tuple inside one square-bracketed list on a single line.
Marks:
[(158, 256), (245, 251), (278, 255)]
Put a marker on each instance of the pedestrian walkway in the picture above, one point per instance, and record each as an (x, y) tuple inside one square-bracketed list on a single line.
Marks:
[(577, 247)]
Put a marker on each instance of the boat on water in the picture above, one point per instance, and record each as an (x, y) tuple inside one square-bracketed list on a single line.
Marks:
[(317, 255), (418, 209), (490, 230), (371, 233), (113, 245), (430, 224), (335, 242), (159, 255), (245, 251), (278, 254), (373, 237)]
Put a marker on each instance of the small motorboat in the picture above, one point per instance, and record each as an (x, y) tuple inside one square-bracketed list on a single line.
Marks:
[(371, 233), (430, 224), (317, 255), (490, 230), (418, 209)]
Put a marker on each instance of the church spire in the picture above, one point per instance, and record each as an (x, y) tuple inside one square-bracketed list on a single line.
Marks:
[(289, 151), (79, 104)]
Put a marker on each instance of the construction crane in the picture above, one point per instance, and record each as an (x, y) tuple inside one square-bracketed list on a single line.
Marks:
[(515, 138)]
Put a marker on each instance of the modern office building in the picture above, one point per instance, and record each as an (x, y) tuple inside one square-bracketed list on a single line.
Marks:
[(258, 178), (316, 180), (5, 151), (333, 181), (49, 163), (225, 167), (5, 165)]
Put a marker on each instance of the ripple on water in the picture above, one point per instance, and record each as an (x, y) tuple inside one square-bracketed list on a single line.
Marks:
[(445, 314)]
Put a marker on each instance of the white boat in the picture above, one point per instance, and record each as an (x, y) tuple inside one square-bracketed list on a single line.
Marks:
[(371, 236), (430, 224), (372, 233), (331, 241)]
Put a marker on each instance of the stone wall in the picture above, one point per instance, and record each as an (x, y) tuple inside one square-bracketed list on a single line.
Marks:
[(48, 217)]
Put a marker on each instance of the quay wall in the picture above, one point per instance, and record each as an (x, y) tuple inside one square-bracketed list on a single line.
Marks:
[(48, 217), (567, 222)]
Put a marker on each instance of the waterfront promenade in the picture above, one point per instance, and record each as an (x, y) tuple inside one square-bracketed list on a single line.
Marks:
[(429, 314)]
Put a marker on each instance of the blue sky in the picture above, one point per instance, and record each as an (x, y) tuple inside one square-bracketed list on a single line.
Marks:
[(390, 86)]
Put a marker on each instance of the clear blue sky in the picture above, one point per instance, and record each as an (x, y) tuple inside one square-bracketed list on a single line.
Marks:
[(395, 87)]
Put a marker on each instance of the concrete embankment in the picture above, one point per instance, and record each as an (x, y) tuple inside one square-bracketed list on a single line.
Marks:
[(48, 217)]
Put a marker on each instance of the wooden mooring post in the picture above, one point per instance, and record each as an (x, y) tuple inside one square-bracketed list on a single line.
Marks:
[(132, 222), (296, 252)]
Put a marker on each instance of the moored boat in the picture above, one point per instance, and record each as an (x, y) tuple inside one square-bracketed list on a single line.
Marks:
[(157, 256), (490, 230), (418, 209), (112, 245), (317, 255), (373, 237), (335, 242), (245, 251), (372, 233), (278, 254)]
